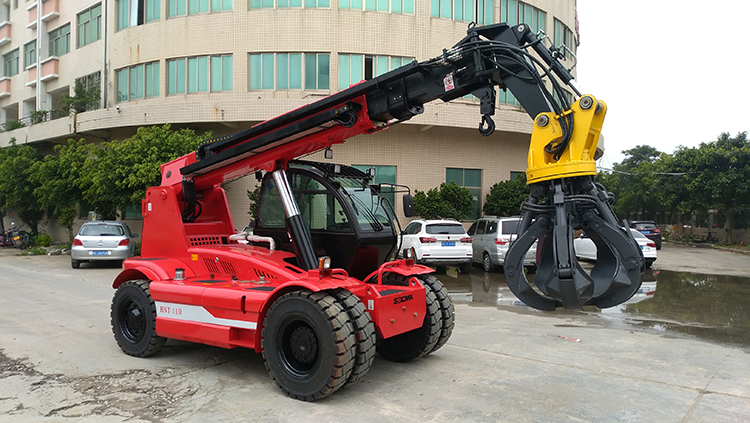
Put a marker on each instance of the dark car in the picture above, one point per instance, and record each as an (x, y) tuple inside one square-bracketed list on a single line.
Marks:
[(649, 229)]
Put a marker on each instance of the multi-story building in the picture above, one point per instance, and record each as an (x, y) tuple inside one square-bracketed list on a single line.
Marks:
[(224, 65)]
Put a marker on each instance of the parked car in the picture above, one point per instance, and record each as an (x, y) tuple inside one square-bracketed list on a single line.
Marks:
[(438, 243), (102, 240), (649, 229), (586, 250), (491, 238)]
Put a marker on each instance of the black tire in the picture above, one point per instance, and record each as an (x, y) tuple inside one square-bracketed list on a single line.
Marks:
[(133, 317), (440, 270), (418, 342), (364, 331), (464, 268), (649, 263), (487, 263), (531, 270), (75, 264), (308, 344), (447, 321)]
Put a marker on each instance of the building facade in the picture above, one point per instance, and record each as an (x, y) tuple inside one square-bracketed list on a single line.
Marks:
[(224, 65)]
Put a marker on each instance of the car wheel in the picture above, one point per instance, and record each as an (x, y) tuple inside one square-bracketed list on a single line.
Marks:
[(531, 270), (487, 263), (464, 268), (649, 263), (75, 264), (134, 319), (440, 270), (308, 344)]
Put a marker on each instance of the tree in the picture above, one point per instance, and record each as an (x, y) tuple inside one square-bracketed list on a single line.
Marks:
[(717, 176), (636, 182), (450, 201), (117, 173), (83, 99), (16, 185), (59, 179), (505, 198)]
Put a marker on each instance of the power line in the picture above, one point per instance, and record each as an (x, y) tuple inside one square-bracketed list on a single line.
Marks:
[(643, 173)]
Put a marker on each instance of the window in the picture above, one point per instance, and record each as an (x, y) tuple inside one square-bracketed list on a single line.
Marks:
[(356, 67), (383, 175), (221, 73), (92, 83), (139, 81), (284, 71), (29, 53), (463, 10), (530, 15), (137, 12), (507, 97), (192, 74), (59, 41), (563, 35), (89, 25), (260, 4), (395, 6), (192, 7), (10, 63), (470, 179), (514, 175), (132, 212)]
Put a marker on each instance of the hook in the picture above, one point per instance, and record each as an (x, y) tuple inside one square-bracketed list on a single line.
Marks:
[(489, 129)]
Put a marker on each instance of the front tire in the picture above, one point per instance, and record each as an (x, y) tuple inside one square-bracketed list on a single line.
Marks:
[(133, 317), (308, 344)]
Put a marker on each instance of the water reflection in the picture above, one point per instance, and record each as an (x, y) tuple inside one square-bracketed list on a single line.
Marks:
[(710, 307)]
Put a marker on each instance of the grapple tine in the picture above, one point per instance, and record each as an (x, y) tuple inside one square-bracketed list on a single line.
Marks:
[(569, 204)]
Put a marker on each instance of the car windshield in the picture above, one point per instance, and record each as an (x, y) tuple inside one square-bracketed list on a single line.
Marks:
[(645, 225), (637, 234), (445, 229), (102, 230)]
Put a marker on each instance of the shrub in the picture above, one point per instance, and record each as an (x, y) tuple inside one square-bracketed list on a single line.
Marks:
[(43, 239)]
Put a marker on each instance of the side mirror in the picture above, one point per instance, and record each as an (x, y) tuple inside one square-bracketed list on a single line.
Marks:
[(135, 235), (408, 205)]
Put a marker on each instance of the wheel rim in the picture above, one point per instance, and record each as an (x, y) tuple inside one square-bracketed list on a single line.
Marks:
[(487, 262), (298, 348), (132, 320)]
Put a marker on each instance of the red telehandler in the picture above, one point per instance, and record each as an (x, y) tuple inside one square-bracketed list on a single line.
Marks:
[(313, 287)]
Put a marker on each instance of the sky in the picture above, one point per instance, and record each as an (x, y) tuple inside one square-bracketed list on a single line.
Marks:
[(671, 72)]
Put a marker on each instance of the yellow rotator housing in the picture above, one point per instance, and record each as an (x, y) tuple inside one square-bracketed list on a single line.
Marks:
[(578, 158)]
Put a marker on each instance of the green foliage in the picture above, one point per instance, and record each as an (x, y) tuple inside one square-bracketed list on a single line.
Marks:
[(17, 186), (36, 251), (450, 201), (42, 239), (505, 198), (117, 173), (13, 124), (253, 197), (59, 180), (38, 116), (83, 99)]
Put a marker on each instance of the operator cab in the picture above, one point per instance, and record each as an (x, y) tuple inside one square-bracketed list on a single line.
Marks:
[(348, 219)]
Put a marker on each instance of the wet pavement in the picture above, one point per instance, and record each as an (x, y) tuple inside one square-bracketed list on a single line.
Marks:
[(710, 307)]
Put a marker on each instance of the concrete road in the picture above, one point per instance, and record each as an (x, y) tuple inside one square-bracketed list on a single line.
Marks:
[(60, 363)]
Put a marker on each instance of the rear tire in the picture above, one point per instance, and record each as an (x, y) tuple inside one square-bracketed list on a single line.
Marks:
[(487, 263), (464, 268), (133, 321), (75, 264), (417, 342), (364, 331), (308, 344)]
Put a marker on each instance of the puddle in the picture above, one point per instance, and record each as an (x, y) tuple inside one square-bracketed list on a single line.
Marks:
[(711, 307)]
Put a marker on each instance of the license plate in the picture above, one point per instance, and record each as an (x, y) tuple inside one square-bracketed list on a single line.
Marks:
[(641, 247), (16, 238), (449, 243), (100, 253), (645, 232)]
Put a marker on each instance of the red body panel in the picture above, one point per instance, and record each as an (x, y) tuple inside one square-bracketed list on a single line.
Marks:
[(227, 288)]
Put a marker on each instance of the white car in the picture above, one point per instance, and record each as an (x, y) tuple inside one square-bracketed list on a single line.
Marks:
[(585, 248), (438, 243)]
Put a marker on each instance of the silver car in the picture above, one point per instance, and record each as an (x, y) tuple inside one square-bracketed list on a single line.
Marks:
[(102, 240), (491, 238)]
